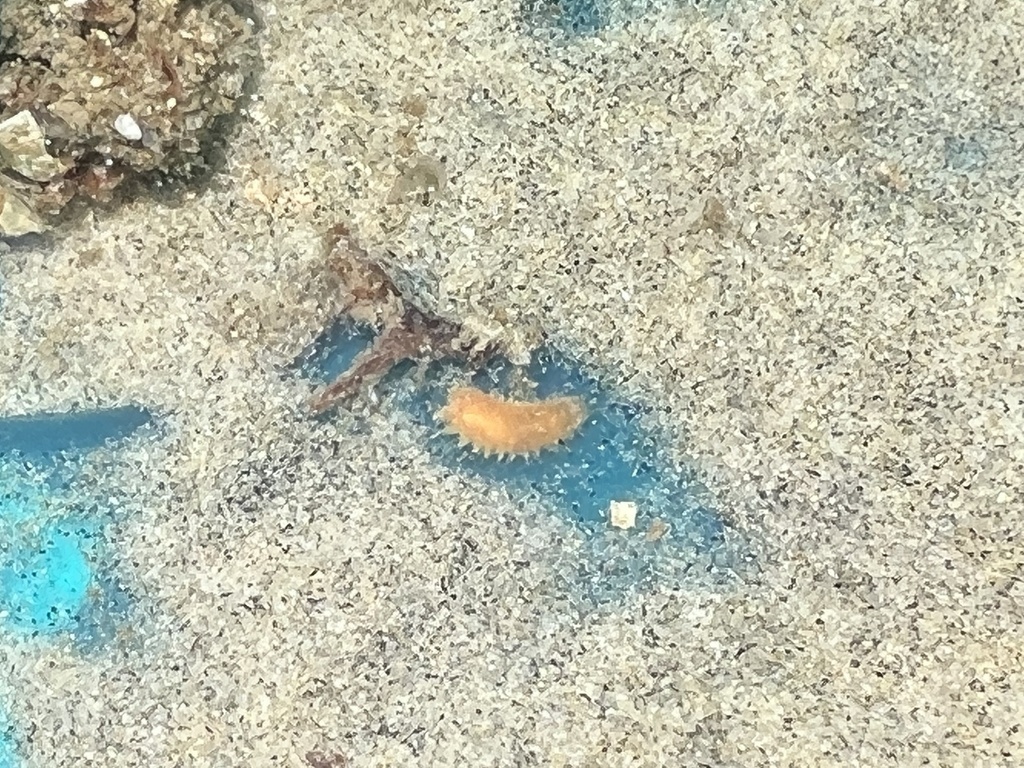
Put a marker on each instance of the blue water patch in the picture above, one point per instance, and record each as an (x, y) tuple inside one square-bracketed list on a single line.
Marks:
[(574, 17), (45, 577), (8, 746), (47, 572), (44, 572), (964, 153), (8, 755), (47, 435), (104, 613), (613, 457), (49, 580)]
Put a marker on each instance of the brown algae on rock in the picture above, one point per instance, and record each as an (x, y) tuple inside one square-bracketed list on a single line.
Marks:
[(93, 93)]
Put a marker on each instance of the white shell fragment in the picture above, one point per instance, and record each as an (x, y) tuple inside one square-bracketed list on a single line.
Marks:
[(623, 514), (125, 125)]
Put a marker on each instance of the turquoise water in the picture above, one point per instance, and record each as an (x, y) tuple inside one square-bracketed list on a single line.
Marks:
[(8, 753), (8, 757), (49, 582), (575, 17), (46, 437), (45, 577)]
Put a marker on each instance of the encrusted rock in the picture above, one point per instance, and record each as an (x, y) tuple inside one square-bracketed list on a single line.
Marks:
[(99, 90), (23, 149), (16, 218)]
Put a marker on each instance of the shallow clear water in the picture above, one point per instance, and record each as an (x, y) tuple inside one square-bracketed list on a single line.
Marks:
[(49, 577), (613, 457)]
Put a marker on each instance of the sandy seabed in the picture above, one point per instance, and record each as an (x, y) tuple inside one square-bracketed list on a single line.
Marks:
[(796, 230)]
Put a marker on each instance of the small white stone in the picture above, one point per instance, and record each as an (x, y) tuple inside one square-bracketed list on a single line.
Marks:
[(623, 514), (96, 81), (125, 125)]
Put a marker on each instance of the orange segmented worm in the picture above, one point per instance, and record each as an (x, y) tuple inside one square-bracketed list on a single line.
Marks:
[(494, 425)]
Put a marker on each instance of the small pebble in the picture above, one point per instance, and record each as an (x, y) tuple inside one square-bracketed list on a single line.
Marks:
[(125, 125)]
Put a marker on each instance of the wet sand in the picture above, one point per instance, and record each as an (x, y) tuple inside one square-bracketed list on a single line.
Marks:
[(795, 233)]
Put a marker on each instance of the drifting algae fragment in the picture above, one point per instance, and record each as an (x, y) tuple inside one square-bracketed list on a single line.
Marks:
[(407, 331)]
